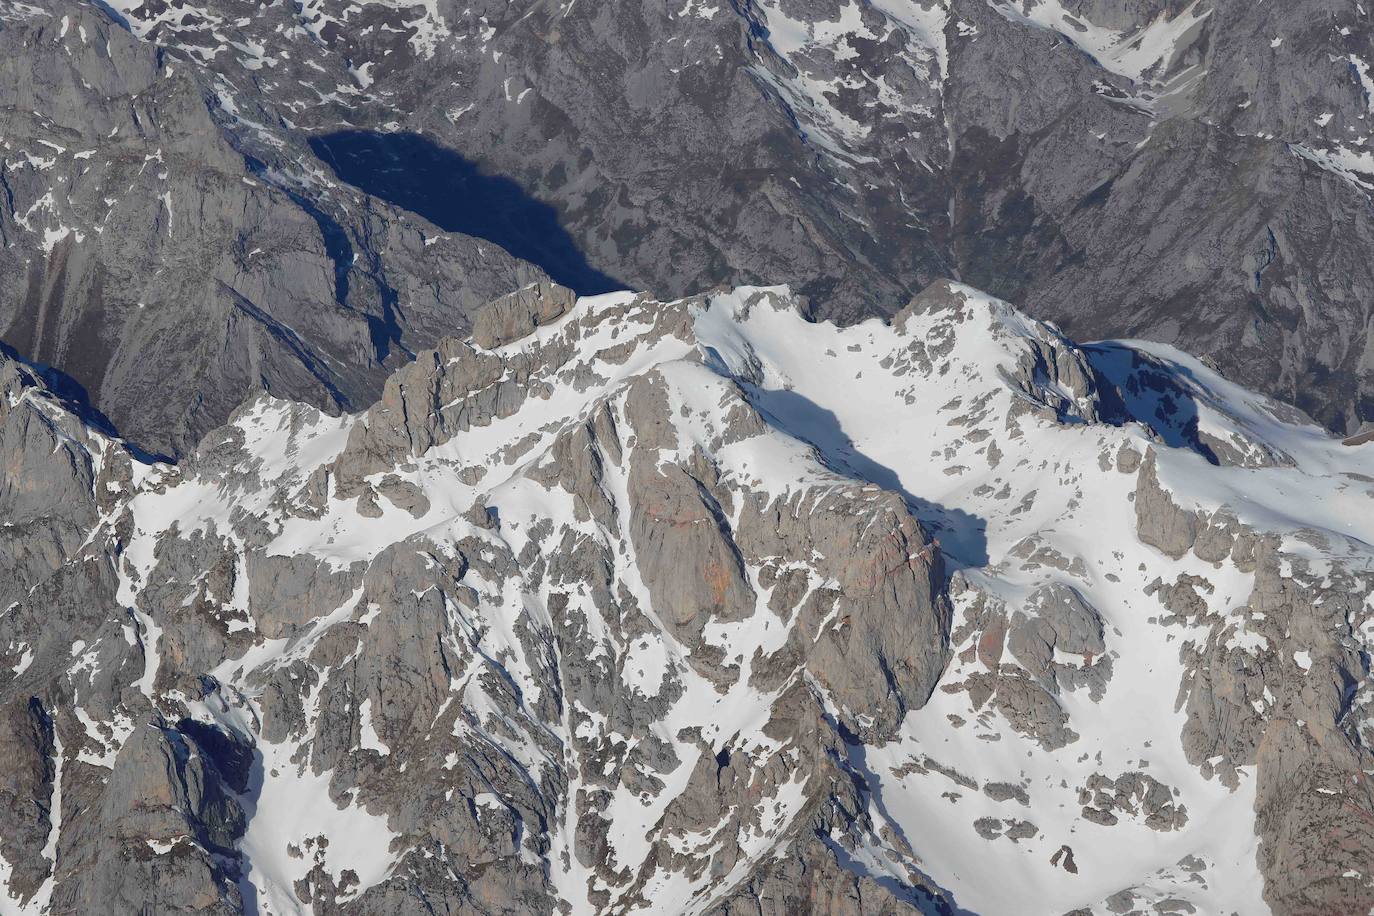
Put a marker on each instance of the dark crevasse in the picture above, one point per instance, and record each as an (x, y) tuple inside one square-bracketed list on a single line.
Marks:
[(415, 173)]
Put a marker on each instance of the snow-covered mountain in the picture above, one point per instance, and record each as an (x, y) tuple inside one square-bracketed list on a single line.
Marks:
[(321, 189), (696, 606)]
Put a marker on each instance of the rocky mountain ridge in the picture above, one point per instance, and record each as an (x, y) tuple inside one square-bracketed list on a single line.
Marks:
[(1202, 166), (168, 272), (624, 602)]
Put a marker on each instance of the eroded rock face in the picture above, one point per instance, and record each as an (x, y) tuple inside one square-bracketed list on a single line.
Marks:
[(695, 596), (170, 274), (517, 315), (1161, 523), (1277, 684), (169, 818), (1106, 801), (488, 692), (27, 795), (854, 150)]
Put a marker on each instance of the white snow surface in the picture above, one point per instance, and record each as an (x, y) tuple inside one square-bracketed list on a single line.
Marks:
[(820, 51), (924, 406), (1133, 54)]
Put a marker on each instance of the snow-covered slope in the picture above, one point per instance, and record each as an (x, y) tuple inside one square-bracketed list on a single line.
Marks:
[(630, 606)]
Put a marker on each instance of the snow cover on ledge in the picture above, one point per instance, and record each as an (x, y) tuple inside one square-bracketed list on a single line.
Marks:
[(1027, 456)]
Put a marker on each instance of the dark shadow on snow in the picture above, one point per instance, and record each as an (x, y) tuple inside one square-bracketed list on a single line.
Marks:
[(416, 174), (248, 800), (77, 401), (866, 781), (1133, 386), (963, 537)]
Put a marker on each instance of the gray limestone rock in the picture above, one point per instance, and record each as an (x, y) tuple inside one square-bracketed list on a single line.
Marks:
[(167, 825), (170, 274), (507, 672), (1160, 522), (517, 314), (1033, 711), (1197, 197), (26, 796), (1135, 795)]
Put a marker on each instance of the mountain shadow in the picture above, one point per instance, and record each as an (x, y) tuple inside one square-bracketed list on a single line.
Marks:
[(1134, 386), (963, 536), (417, 174)]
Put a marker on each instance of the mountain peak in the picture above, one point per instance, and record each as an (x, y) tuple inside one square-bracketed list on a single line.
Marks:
[(893, 593)]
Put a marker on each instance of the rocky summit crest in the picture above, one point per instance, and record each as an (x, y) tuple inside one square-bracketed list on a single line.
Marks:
[(625, 601)]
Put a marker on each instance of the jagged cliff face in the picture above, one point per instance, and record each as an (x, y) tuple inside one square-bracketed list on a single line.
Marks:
[(696, 606), (364, 552), (170, 273), (1195, 173)]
